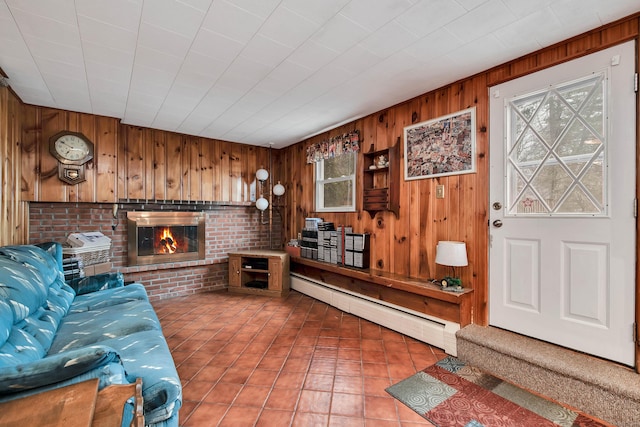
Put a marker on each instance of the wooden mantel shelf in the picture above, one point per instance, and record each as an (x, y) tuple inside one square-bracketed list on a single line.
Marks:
[(412, 293)]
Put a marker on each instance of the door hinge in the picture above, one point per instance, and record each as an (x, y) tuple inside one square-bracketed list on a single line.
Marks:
[(635, 207), (635, 82), (636, 339)]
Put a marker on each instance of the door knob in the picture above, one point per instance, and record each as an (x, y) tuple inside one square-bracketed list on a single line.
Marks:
[(497, 223)]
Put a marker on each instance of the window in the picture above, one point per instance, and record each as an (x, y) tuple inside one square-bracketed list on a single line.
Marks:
[(557, 144), (336, 184)]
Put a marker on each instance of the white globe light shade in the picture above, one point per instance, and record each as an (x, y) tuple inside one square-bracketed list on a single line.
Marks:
[(278, 189), (262, 203), (262, 175)]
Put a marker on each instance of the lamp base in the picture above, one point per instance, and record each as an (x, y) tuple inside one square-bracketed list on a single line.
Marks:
[(450, 282)]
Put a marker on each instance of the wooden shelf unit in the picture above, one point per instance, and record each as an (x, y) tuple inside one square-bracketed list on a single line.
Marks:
[(380, 185), (259, 272)]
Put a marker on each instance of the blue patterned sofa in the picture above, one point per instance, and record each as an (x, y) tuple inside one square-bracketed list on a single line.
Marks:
[(53, 334)]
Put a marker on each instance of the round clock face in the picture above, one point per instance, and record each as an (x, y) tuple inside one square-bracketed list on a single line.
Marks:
[(71, 147)]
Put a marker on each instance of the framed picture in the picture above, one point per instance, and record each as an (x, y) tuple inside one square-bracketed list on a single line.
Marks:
[(441, 147)]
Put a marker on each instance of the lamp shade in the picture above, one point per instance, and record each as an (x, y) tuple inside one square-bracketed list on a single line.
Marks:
[(278, 189), (451, 253), (262, 203), (262, 174)]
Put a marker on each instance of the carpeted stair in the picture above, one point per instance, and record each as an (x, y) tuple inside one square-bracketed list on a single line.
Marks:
[(602, 389)]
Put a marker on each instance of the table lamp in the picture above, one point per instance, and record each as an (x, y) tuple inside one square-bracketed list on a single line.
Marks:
[(452, 254)]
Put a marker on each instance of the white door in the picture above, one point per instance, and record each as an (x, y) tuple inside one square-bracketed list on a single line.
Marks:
[(562, 188)]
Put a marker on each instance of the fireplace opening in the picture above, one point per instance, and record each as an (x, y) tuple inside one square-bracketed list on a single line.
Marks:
[(161, 237)]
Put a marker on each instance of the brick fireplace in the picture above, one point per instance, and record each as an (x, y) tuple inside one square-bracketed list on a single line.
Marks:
[(227, 228)]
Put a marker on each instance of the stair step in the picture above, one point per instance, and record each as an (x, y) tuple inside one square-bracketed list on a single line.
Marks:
[(600, 388)]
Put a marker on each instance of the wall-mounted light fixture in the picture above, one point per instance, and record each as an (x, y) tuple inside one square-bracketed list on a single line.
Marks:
[(265, 200)]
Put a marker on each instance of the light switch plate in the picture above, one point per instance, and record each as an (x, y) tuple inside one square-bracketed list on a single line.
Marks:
[(440, 191)]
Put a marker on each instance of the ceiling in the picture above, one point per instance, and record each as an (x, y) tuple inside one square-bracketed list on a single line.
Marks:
[(267, 72)]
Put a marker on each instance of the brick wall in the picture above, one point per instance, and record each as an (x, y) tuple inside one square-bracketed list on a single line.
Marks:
[(228, 228)]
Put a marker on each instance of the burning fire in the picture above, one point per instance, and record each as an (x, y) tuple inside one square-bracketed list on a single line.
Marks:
[(168, 244)]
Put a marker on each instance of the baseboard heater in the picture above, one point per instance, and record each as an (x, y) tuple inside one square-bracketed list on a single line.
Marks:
[(431, 330)]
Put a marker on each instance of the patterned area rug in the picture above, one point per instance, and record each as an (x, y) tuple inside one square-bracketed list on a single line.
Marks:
[(452, 394)]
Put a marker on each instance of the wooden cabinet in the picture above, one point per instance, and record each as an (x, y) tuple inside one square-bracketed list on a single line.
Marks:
[(261, 272), (381, 180)]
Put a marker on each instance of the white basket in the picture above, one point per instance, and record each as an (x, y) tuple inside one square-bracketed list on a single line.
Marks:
[(90, 255)]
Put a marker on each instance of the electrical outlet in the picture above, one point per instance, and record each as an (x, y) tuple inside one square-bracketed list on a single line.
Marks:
[(440, 191)]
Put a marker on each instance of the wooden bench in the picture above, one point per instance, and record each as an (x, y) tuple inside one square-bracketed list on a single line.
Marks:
[(411, 293)]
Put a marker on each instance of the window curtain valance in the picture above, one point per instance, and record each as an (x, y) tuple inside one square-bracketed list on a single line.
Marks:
[(333, 147)]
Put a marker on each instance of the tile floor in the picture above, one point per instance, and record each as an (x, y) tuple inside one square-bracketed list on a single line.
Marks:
[(250, 360)]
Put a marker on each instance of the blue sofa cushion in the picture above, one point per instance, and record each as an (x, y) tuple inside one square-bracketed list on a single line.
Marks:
[(20, 347), (146, 355), (53, 369), (108, 297), (22, 288), (95, 326), (6, 321), (41, 261)]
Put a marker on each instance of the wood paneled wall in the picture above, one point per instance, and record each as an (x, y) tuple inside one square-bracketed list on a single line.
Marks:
[(134, 163), (13, 212), (406, 245)]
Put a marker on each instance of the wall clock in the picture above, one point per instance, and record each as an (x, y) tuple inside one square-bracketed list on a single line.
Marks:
[(72, 150)]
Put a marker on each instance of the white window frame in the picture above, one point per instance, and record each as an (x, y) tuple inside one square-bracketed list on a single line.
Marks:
[(319, 183)]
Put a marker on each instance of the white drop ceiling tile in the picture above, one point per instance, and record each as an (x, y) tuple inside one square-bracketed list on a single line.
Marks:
[(433, 45), (170, 117), (471, 58), (162, 40), (266, 51), (33, 94), (471, 4), (427, 16), (255, 101), (107, 109), (374, 14), (41, 48), (340, 33), (318, 11), (354, 61), (288, 28), (243, 74), (481, 21), (216, 45), (118, 76), (104, 34), (262, 8), (124, 14), (389, 39), (201, 70), (174, 16), (67, 101), (312, 55), (107, 56), (151, 81), (575, 19), (523, 8), (614, 10), (529, 33), (201, 5), (186, 100), (328, 78), (234, 22), (50, 69), (62, 11), (100, 85), (158, 61), (287, 73), (45, 28)]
